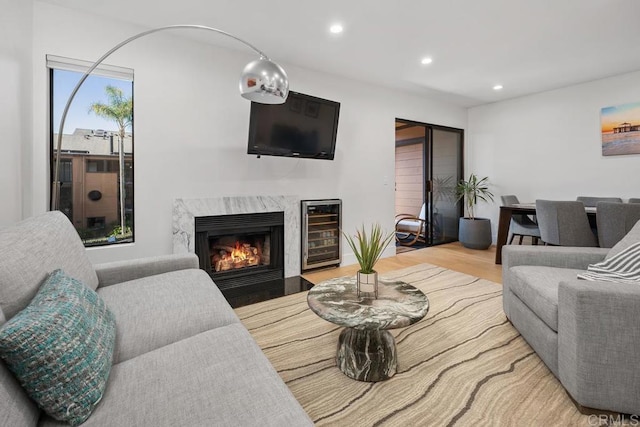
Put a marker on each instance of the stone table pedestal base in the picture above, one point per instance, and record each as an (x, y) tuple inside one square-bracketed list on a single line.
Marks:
[(367, 354)]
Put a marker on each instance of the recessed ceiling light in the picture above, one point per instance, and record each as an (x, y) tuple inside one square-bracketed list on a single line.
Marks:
[(497, 87), (426, 61), (336, 29)]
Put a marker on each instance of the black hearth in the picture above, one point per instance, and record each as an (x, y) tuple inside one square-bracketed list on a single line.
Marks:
[(243, 253)]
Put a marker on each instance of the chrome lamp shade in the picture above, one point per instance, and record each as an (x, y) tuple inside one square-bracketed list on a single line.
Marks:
[(265, 82)]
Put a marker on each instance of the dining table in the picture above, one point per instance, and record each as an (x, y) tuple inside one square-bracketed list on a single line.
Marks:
[(504, 222)]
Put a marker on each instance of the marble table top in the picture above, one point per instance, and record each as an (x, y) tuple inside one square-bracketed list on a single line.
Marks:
[(398, 304)]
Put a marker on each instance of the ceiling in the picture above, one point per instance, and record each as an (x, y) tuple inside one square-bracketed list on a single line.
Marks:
[(527, 46)]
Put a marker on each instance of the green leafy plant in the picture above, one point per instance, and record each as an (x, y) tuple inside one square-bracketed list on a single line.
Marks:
[(473, 190), (117, 230), (368, 247)]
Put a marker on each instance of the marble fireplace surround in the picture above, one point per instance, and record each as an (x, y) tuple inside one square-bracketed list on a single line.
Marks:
[(186, 210)]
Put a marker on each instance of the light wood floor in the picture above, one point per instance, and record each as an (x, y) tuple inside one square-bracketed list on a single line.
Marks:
[(453, 256)]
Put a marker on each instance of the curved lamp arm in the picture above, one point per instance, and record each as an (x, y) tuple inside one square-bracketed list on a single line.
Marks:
[(261, 81)]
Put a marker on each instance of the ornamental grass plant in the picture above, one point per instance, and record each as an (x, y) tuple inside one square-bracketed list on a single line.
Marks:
[(368, 246)]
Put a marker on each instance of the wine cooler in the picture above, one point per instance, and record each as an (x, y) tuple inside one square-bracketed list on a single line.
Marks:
[(321, 238)]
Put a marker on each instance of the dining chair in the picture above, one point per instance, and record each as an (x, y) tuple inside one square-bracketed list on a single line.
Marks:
[(411, 229), (521, 225), (564, 223), (591, 202), (634, 200), (614, 221)]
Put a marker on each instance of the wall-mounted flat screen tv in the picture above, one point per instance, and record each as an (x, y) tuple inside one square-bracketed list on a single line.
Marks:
[(303, 127)]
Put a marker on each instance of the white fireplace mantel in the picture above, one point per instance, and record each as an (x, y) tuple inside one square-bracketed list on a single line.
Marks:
[(186, 210)]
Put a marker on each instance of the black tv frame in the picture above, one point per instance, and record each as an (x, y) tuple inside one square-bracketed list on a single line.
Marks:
[(291, 153)]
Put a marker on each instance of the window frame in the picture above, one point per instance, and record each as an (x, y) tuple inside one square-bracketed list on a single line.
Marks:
[(54, 63)]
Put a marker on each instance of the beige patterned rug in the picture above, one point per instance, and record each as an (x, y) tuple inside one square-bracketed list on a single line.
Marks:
[(463, 364)]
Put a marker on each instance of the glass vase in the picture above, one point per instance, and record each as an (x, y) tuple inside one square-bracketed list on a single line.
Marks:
[(367, 285)]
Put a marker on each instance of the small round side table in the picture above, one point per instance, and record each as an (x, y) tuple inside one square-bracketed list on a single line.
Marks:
[(366, 349)]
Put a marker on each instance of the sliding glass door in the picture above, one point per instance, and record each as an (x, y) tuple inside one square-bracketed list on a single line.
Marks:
[(444, 152), (428, 166)]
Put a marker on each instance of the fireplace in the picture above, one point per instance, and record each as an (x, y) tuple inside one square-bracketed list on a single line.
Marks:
[(243, 253)]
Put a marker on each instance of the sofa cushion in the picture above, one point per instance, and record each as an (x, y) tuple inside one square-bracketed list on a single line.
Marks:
[(537, 288), (60, 347), (158, 310), (633, 236), (32, 249), (216, 378), (16, 409)]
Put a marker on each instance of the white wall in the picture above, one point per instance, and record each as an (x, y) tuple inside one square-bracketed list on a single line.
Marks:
[(191, 129), (15, 105), (548, 145)]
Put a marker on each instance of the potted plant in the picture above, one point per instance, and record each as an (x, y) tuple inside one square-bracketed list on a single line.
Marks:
[(474, 233), (368, 248)]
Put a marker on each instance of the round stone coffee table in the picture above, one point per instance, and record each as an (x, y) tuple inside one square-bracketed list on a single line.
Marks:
[(366, 350)]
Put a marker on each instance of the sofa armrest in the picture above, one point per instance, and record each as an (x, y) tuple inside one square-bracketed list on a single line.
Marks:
[(599, 344), (551, 256), (111, 273)]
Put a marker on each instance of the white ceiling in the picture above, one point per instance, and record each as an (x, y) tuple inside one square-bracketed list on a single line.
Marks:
[(527, 46)]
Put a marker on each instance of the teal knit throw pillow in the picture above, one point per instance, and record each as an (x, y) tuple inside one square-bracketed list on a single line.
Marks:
[(60, 348)]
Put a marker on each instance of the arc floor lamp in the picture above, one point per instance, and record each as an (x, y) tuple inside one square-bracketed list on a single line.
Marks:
[(262, 80)]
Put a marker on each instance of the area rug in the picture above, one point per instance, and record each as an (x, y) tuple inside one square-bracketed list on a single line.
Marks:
[(463, 364)]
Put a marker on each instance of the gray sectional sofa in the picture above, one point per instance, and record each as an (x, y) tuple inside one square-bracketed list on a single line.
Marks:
[(586, 332), (181, 356)]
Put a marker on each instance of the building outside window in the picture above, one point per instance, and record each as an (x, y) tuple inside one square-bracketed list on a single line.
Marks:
[(97, 162)]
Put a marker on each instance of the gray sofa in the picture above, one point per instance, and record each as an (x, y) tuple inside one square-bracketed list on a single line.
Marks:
[(586, 332), (181, 355)]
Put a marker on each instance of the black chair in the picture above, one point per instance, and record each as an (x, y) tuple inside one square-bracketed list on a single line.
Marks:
[(521, 225), (634, 200)]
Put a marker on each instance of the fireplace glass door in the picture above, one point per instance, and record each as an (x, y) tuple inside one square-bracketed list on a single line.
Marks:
[(240, 251)]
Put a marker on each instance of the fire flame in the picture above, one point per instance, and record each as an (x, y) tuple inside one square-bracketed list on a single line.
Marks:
[(238, 253)]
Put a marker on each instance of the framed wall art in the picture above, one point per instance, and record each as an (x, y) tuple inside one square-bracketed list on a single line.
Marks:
[(620, 127)]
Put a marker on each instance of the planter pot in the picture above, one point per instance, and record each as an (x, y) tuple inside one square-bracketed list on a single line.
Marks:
[(367, 285), (475, 233)]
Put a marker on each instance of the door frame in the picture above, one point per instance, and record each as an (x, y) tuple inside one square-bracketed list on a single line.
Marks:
[(427, 167)]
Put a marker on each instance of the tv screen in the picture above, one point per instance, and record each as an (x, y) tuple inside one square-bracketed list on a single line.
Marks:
[(304, 127)]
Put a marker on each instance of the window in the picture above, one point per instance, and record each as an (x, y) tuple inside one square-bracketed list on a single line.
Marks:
[(102, 166), (96, 156)]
